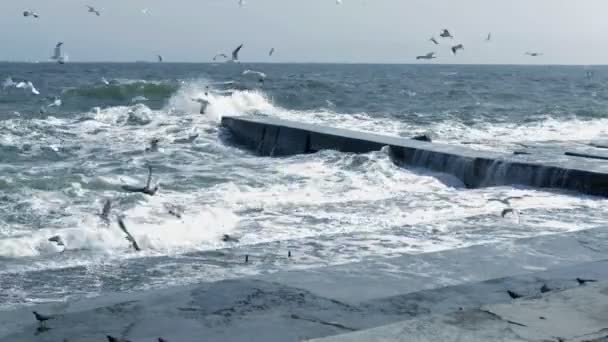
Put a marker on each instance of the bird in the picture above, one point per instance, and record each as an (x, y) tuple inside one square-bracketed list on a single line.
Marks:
[(544, 288), (271, 52), (489, 37), (145, 190), (30, 14), (445, 34), (116, 339), (253, 72), (584, 281), (513, 295), (506, 200), (220, 55), (56, 102), (434, 41), (41, 318), (57, 239), (105, 212), (153, 145), (455, 48), (160, 58), (57, 54), (235, 53), (129, 237), (27, 85), (93, 10), (534, 54), (429, 55), (507, 211)]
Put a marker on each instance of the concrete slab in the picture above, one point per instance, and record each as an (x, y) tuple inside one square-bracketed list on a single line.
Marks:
[(579, 314), (275, 137)]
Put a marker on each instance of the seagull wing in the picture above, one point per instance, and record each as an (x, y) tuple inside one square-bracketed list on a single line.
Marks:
[(149, 177), (235, 53)]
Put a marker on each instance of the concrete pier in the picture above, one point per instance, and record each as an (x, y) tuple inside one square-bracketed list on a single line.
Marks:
[(584, 172)]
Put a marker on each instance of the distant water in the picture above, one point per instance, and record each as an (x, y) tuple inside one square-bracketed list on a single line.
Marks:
[(58, 167)]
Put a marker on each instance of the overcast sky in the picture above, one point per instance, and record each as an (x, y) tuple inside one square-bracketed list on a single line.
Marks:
[(357, 31)]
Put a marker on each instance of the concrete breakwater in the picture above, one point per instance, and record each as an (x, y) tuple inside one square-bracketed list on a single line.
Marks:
[(568, 171)]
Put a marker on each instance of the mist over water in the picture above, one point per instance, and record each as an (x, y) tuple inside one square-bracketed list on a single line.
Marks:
[(58, 167)]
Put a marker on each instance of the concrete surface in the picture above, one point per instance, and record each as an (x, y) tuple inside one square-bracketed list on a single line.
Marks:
[(275, 137)]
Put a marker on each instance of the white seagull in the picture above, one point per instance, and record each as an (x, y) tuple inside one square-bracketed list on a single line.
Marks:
[(57, 54), (30, 14), (253, 72), (27, 85), (93, 10)]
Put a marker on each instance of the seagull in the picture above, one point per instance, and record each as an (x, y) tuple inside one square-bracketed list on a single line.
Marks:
[(235, 53), (489, 37), (56, 102), (93, 10), (271, 52), (253, 72), (506, 200), (160, 58), (445, 34), (429, 55), (144, 11), (534, 54), (41, 318), (27, 85), (129, 237), (514, 295), (584, 281), (153, 145), (57, 54), (57, 239), (30, 13), (105, 212), (220, 55), (116, 339), (507, 211), (455, 48), (145, 190), (434, 40)]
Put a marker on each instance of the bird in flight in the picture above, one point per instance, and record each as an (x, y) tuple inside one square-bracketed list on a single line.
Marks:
[(489, 37), (429, 55), (30, 14), (445, 34), (93, 10), (271, 52), (235, 53), (534, 54), (455, 48)]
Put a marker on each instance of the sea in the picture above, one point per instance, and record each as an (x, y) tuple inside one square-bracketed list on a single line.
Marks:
[(59, 163)]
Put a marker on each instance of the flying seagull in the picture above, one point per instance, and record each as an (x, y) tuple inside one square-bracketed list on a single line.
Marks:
[(41, 318), (253, 72), (429, 55), (160, 58), (57, 54), (57, 239), (235, 53), (220, 55), (534, 54), (27, 85), (455, 48), (145, 190), (30, 14), (93, 10), (105, 212), (129, 237), (271, 52), (434, 41), (445, 34), (489, 37)]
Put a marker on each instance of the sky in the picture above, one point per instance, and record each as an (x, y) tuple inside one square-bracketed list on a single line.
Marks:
[(356, 31)]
